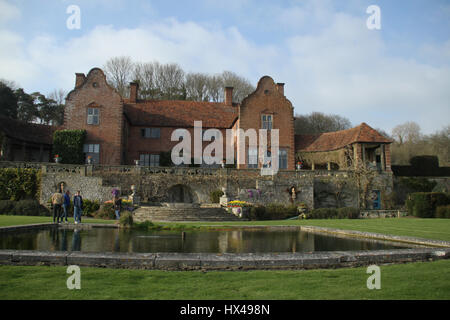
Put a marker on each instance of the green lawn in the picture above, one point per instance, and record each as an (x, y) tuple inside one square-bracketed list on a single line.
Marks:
[(6, 221), (438, 229), (428, 280)]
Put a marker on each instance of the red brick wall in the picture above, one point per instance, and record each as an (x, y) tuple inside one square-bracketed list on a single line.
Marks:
[(95, 92), (268, 99), (139, 145)]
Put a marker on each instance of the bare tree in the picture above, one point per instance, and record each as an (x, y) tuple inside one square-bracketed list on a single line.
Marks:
[(241, 86), (318, 122), (197, 86), (407, 132), (118, 71)]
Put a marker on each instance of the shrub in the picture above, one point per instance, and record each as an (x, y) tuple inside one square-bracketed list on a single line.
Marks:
[(323, 213), (348, 213), (90, 207), (257, 213), (106, 211), (17, 183), (443, 212), (424, 204), (126, 219), (7, 207), (215, 195), (23, 208)]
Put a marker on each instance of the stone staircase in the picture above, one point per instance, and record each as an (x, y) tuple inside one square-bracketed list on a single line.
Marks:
[(180, 213)]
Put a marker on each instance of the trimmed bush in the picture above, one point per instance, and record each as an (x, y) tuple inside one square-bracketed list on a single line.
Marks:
[(273, 211), (89, 207), (443, 212), (424, 204), (23, 208), (323, 213), (215, 195), (348, 213)]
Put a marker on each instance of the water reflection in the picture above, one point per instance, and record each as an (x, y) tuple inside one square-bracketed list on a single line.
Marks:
[(232, 241)]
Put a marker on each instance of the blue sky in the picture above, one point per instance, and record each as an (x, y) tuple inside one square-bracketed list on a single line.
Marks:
[(321, 49)]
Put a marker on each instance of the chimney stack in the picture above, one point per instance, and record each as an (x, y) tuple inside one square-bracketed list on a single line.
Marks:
[(228, 96), (79, 79), (134, 87), (280, 87)]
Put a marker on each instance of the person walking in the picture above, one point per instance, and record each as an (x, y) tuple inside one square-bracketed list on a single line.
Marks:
[(66, 206), (77, 207), (57, 201)]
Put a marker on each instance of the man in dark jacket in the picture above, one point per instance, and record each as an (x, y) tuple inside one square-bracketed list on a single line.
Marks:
[(77, 207)]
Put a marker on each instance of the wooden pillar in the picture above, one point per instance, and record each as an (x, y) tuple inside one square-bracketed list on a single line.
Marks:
[(383, 161)]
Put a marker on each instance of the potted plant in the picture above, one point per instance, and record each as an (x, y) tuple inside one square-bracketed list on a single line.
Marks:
[(57, 158), (89, 159), (239, 208)]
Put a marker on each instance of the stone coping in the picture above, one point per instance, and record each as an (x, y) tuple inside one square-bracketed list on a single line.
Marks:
[(226, 261), (84, 226)]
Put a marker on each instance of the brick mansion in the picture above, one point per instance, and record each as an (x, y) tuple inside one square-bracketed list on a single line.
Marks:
[(122, 130)]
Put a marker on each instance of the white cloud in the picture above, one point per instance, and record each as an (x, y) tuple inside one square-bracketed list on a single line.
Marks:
[(8, 12), (340, 68)]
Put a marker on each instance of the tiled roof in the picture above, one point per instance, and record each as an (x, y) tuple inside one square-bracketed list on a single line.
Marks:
[(28, 132), (335, 140), (176, 113)]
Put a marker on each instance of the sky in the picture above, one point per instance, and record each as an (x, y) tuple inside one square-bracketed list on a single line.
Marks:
[(323, 51)]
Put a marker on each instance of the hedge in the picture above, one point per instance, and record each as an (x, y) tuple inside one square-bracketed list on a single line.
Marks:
[(68, 145), (443, 212), (424, 204), (272, 211), (333, 213), (23, 208), (18, 184)]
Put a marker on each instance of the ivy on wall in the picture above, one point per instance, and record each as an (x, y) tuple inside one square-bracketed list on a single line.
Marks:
[(68, 145), (18, 184)]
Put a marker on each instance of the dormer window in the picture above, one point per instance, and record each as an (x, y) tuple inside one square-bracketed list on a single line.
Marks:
[(267, 121), (93, 116)]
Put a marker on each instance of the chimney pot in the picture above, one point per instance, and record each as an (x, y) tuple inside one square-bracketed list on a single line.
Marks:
[(228, 96), (134, 87)]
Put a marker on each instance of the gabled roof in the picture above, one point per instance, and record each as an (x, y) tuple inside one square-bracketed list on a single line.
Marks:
[(182, 114), (28, 132), (330, 141)]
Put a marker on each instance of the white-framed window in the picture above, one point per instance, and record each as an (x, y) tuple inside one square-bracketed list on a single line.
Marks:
[(93, 116), (154, 133), (92, 151), (151, 160), (252, 158), (282, 158), (91, 148), (267, 121)]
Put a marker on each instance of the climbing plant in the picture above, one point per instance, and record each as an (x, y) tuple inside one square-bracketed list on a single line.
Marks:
[(68, 145)]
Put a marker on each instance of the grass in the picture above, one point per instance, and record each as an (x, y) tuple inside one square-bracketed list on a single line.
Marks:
[(429, 280), (6, 220)]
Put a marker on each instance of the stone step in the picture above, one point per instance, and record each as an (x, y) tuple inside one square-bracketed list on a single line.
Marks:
[(155, 213)]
